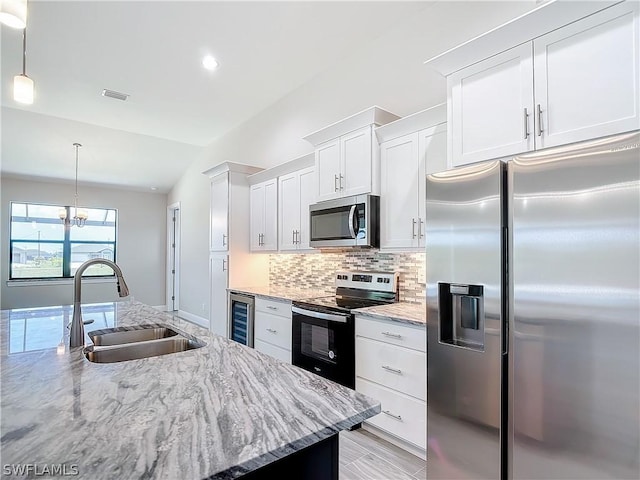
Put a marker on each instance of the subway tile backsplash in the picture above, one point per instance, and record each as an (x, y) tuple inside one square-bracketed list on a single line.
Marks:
[(316, 270)]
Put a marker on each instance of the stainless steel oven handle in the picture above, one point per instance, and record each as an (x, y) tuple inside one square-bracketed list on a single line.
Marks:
[(352, 213), (333, 317)]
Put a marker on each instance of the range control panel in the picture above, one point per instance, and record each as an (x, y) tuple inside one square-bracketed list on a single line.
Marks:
[(381, 281)]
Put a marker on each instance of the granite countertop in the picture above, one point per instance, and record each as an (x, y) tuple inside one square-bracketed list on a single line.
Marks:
[(215, 412), (283, 293), (404, 312)]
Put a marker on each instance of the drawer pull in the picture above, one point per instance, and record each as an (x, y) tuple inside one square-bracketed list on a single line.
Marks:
[(387, 412), (393, 335), (270, 307), (271, 330), (394, 370)]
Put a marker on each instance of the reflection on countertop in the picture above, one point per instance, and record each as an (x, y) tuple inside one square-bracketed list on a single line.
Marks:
[(284, 293), (410, 313), (220, 410)]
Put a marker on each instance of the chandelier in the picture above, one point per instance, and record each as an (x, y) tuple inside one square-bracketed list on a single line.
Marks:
[(80, 216)]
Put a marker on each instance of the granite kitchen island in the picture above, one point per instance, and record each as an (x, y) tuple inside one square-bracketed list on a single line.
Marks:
[(220, 411)]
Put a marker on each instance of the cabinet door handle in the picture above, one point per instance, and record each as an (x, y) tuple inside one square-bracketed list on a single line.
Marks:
[(224, 240), (539, 125), (392, 335), (387, 412), (271, 330), (271, 307), (413, 228), (296, 236), (335, 183), (341, 187), (224, 263), (391, 369), (293, 237), (526, 124), (420, 222)]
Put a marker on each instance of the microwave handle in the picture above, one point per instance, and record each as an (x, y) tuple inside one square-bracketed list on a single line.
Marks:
[(352, 214)]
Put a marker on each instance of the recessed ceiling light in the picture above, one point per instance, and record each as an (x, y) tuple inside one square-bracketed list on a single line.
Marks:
[(154, 188), (209, 62)]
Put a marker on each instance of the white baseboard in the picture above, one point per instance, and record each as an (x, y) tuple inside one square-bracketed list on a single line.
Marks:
[(201, 321), (398, 442)]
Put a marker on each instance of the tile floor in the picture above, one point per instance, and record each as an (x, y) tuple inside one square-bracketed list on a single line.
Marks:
[(364, 456)]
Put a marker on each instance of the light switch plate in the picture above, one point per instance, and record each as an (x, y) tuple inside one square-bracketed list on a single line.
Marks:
[(422, 275)]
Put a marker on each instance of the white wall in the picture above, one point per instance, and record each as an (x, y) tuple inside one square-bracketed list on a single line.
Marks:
[(389, 72), (141, 242)]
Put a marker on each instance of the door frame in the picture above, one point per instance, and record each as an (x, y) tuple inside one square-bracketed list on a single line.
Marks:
[(173, 245)]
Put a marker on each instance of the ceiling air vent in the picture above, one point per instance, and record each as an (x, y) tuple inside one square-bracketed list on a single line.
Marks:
[(114, 94)]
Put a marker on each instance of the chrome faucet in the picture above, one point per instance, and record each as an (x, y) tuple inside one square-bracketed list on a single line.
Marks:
[(77, 325)]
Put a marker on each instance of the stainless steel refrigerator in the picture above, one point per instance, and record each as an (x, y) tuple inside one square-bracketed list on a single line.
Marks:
[(533, 315)]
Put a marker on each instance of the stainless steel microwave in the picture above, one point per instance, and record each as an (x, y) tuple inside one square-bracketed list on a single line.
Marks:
[(345, 222)]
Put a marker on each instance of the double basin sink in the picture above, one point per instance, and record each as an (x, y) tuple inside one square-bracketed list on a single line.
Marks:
[(140, 341)]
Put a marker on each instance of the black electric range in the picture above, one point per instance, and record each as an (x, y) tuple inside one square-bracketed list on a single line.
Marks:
[(324, 329)]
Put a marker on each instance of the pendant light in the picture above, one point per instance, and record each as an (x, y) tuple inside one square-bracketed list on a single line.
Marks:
[(23, 85), (80, 216), (13, 13)]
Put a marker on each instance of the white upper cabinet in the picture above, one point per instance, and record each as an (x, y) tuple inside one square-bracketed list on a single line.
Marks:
[(400, 174), (346, 160), (357, 163), (405, 160), (345, 165), (490, 107), (264, 216), (219, 213), (587, 78), (296, 194), (328, 166), (575, 75)]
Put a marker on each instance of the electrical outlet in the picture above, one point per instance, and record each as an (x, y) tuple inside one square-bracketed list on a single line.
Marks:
[(422, 275)]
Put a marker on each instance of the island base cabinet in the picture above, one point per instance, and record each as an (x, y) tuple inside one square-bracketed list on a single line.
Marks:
[(316, 462), (278, 353), (402, 415)]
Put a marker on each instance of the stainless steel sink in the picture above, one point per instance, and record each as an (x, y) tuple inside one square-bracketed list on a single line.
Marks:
[(137, 350), (122, 335)]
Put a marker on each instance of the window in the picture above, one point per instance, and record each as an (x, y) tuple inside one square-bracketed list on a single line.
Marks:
[(42, 247)]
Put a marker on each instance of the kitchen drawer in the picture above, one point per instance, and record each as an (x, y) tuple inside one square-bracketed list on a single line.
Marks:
[(395, 367), (274, 307), (273, 351), (392, 332), (273, 329), (405, 417)]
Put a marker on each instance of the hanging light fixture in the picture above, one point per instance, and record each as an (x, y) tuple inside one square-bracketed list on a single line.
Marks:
[(13, 13), (23, 85), (80, 216)]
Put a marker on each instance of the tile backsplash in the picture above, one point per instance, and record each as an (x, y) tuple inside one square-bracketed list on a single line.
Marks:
[(316, 270)]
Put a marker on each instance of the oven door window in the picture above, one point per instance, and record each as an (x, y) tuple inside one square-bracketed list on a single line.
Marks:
[(318, 342)]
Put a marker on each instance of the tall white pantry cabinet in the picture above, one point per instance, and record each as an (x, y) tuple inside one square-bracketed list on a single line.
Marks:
[(230, 261)]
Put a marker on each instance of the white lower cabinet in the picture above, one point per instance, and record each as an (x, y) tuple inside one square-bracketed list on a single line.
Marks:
[(391, 366), (402, 415), (272, 328)]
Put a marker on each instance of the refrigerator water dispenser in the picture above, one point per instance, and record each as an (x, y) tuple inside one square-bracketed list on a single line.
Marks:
[(461, 315)]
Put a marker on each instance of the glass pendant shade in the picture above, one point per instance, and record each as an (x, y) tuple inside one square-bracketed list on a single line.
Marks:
[(13, 13), (23, 89)]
